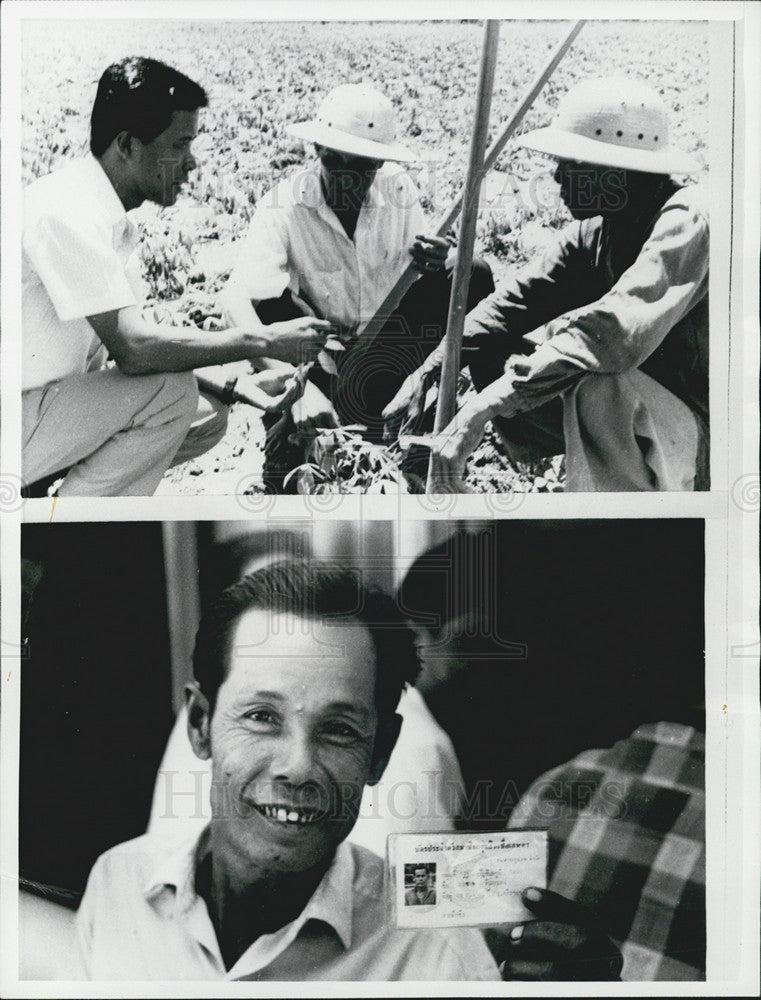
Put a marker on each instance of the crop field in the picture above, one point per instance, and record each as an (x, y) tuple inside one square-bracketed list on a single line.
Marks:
[(261, 76)]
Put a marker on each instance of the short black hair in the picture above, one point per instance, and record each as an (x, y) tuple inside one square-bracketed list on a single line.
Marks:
[(139, 96), (313, 590)]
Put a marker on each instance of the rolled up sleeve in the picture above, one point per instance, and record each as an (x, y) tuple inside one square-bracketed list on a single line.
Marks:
[(620, 330)]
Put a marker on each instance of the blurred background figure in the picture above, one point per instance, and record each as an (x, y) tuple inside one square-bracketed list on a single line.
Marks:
[(573, 636), (627, 839)]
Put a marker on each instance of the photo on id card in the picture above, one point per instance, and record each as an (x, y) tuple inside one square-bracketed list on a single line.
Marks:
[(464, 879)]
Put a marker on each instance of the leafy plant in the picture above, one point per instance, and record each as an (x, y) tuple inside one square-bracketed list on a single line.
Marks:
[(340, 460)]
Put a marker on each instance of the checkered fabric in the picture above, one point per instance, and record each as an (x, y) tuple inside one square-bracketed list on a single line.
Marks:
[(627, 839)]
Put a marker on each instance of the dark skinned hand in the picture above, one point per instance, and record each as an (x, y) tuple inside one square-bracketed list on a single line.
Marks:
[(565, 943), (429, 253)]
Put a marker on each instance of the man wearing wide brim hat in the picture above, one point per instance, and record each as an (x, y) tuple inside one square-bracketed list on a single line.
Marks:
[(330, 241), (600, 348)]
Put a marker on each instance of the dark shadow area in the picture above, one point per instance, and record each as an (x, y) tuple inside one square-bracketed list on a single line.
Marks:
[(545, 639), (95, 693)]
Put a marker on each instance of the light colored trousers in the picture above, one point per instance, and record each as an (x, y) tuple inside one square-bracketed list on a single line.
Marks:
[(619, 432), (116, 434)]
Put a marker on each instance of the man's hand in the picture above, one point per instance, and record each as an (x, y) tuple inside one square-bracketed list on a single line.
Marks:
[(297, 340), (565, 943), (272, 392), (313, 412), (429, 254), (404, 411), (456, 443)]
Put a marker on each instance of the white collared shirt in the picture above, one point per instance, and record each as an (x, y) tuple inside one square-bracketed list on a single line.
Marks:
[(142, 919), (296, 241), (77, 240)]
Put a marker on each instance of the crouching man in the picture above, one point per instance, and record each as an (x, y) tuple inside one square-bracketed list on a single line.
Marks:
[(331, 240), (599, 349), (115, 430), (298, 672)]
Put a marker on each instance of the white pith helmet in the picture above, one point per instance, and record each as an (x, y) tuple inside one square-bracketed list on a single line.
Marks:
[(614, 122), (356, 119)]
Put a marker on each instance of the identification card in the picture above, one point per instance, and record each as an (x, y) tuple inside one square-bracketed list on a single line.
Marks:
[(464, 879)]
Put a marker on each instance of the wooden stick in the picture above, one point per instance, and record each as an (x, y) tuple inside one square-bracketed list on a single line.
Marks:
[(446, 406), (408, 277)]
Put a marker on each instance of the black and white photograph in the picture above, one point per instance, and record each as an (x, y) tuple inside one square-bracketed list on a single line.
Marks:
[(420, 884), (236, 719), (244, 242)]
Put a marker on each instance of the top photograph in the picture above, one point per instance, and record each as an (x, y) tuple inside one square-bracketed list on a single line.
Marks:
[(365, 257)]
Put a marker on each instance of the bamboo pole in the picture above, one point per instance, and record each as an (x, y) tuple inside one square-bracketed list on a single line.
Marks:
[(409, 275), (447, 405)]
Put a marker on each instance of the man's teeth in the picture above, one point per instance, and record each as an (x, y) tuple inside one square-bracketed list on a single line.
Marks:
[(287, 815)]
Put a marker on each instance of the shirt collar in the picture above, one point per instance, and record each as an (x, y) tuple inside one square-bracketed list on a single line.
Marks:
[(170, 887), (307, 189), (171, 883), (103, 191), (333, 899)]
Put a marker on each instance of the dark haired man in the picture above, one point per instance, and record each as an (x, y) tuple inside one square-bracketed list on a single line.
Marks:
[(599, 349), (421, 892), (298, 672), (115, 430)]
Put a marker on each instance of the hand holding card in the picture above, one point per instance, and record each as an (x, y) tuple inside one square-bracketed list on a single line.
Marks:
[(465, 879)]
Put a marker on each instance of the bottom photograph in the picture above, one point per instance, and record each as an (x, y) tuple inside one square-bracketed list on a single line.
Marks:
[(315, 750)]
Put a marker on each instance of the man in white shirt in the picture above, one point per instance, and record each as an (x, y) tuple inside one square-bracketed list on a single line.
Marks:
[(331, 241), (298, 671), (116, 430)]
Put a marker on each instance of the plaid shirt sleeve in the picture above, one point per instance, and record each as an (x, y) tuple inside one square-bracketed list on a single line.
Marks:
[(627, 839)]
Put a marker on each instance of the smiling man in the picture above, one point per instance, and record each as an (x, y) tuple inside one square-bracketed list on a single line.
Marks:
[(115, 430), (598, 349), (298, 673)]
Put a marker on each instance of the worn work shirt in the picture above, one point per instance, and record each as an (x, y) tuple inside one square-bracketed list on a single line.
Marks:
[(611, 296), (77, 261), (295, 241), (627, 839), (141, 918)]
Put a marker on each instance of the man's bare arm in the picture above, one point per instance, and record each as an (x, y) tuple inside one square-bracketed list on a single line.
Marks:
[(140, 347), (312, 411), (241, 311)]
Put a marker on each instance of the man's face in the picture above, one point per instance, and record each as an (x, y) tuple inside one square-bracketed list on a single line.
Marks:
[(421, 878), (346, 173), (588, 189), (161, 167), (293, 740)]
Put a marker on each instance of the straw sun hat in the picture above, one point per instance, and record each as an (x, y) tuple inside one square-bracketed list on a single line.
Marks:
[(613, 122), (355, 119)]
